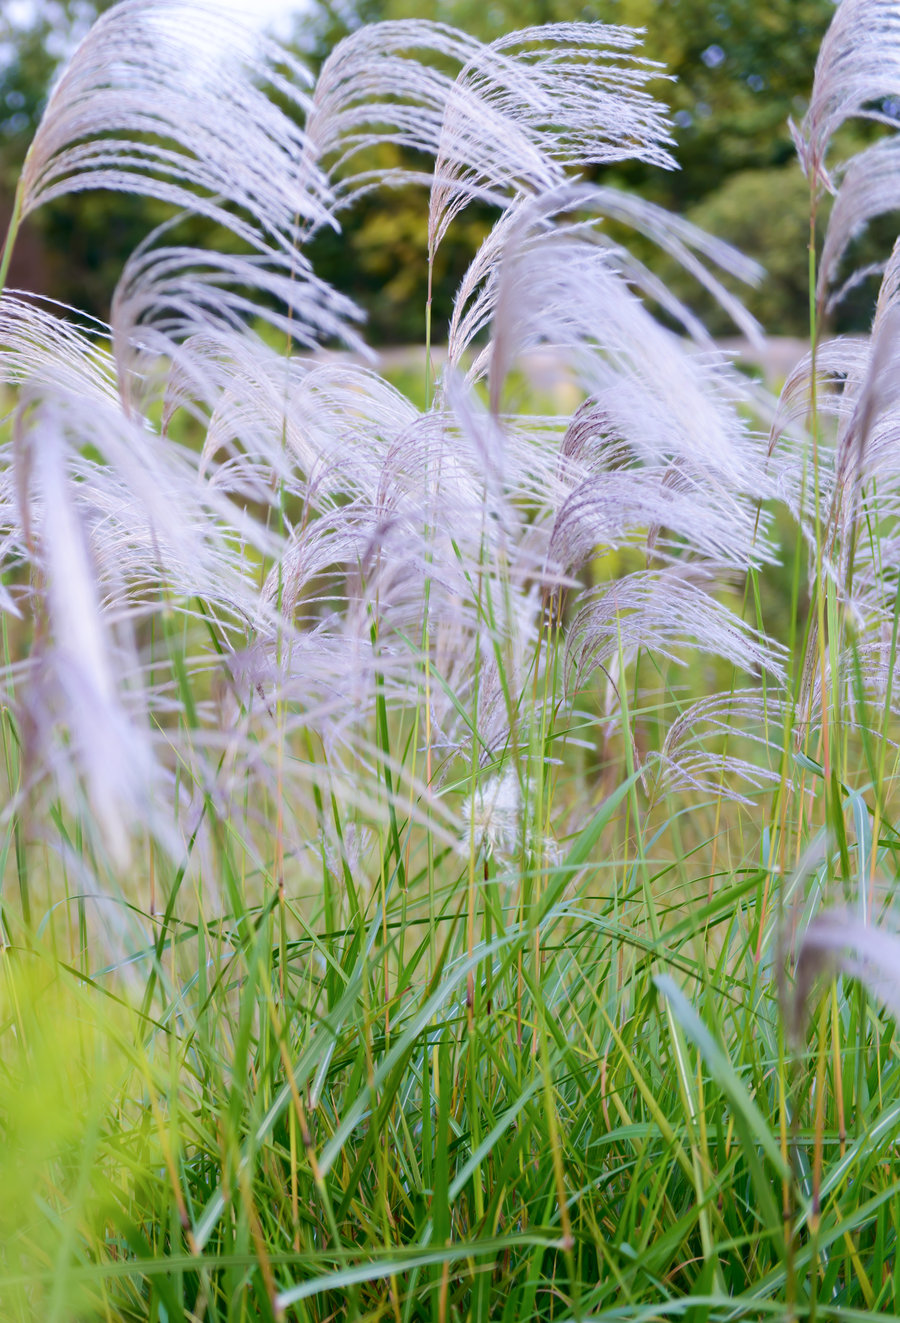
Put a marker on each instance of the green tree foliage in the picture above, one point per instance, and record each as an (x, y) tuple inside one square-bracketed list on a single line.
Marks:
[(741, 69)]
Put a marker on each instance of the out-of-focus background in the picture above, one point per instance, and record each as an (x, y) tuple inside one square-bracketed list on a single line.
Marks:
[(740, 71)]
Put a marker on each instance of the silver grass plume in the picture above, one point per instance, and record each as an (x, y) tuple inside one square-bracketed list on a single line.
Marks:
[(857, 75), (141, 107), (562, 285), (706, 748), (513, 118), (564, 96), (663, 611), (334, 543), (858, 66), (75, 689), (167, 99), (868, 188), (859, 486), (841, 942), (657, 458)]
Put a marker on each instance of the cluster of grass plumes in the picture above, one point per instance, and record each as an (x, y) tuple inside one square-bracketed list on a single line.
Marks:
[(411, 820)]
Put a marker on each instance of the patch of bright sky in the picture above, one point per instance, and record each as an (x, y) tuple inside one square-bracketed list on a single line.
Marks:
[(274, 14)]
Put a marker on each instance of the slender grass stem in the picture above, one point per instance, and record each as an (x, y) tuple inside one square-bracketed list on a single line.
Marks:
[(12, 233)]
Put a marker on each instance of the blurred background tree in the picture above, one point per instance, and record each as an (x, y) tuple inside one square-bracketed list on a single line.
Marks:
[(740, 70)]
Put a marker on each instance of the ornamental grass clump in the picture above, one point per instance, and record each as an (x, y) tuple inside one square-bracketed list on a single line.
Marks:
[(198, 508), (417, 844)]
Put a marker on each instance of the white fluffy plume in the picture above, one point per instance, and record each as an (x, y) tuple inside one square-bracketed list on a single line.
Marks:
[(268, 551)]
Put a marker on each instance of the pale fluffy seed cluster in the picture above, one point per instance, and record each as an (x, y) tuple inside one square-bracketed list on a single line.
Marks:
[(203, 616)]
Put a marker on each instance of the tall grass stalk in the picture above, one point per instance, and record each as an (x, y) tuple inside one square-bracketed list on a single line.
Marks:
[(423, 894)]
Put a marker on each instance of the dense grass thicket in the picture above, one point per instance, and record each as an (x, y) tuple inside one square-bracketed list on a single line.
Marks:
[(449, 854)]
